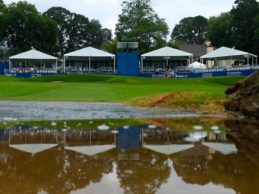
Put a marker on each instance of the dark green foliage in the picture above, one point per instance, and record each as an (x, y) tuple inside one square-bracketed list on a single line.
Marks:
[(220, 30), (27, 28), (243, 23), (76, 31), (139, 23), (238, 28), (191, 30)]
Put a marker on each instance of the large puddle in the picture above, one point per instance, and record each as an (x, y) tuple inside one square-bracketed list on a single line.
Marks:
[(22, 110), (162, 156)]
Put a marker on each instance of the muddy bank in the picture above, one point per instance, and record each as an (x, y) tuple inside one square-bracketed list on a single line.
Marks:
[(28, 110)]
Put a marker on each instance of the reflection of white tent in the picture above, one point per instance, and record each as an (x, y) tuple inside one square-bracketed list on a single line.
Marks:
[(34, 55), (88, 54), (33, 148), (91, 149), (197, 65), (169, 149), (224, 148)]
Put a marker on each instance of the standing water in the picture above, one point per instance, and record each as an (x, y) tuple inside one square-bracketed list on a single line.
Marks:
[(191, 155)]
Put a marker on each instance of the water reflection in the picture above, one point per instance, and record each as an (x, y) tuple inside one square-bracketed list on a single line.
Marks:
[(130, 159)]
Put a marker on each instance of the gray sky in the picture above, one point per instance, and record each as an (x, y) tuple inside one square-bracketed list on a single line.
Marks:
[(107, 11)]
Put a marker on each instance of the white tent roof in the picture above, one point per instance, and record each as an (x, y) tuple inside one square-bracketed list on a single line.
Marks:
[(33, 148), (91, 150), (197, 65), (224, 148), (225, 52), (89, 52), (33, 54), (169, 149), (167, 52)]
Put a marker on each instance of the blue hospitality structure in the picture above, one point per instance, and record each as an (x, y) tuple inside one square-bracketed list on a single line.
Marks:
[(4, 67), (128, 59)]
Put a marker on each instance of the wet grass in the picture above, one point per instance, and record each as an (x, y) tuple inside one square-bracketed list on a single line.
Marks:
[(105, 88)]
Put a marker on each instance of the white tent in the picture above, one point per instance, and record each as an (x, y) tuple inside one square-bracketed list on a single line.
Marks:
[(169, 149), (33, 148), (88, 53), (224, 148), (166, 53), (91, 149), (32, 54), (225, 52), (197, 65)]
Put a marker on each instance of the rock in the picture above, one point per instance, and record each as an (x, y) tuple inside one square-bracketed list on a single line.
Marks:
[(244, 97)]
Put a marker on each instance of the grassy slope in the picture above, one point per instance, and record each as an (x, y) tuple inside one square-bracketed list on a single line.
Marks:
[(108, 88)]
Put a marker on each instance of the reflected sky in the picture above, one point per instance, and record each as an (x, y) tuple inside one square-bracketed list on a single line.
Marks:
[(131, 158)]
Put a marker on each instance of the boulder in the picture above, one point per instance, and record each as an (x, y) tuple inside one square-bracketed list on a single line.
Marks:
[(244, 97)]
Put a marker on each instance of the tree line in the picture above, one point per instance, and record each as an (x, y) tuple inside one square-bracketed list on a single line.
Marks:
[(58, 31)]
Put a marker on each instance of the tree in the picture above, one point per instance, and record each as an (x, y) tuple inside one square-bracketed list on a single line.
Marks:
[(63, 18), (191, 30), (256, 36), (3, 25), (220, 30), (243, 19), (76, 31), (139, 23), (28, 28)]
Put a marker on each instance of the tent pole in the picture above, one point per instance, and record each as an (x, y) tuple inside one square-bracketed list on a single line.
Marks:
[(114, 66), (64, 65), (10, 65), (142, 65), (56, 67), (89, 64)]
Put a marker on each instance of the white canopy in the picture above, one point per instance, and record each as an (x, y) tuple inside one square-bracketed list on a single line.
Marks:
[(89, 52), (33, 148), (226, 52), (91, 149), (224, 148), (197, 65), (169, 149), (167, 52), (33, 55)]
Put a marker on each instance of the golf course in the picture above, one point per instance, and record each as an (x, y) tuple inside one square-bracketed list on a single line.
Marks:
[(197, 93)]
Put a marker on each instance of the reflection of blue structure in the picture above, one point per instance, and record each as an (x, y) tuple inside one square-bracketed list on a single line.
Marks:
[(129, 138), (127, 59), (3, 135)]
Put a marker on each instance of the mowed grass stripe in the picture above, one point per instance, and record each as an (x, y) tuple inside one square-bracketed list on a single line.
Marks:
[(107, 88)]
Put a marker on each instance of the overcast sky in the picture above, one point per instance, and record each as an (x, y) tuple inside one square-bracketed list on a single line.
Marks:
[(107, 11)]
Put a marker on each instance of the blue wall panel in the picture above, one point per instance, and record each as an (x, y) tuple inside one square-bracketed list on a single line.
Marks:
[(128, 63), (3, 68)]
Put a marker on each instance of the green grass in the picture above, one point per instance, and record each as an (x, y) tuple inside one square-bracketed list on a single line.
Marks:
[(101, 88)]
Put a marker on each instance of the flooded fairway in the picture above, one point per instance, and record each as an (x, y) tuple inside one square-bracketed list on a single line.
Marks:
[(130, 156), (23, 110)]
